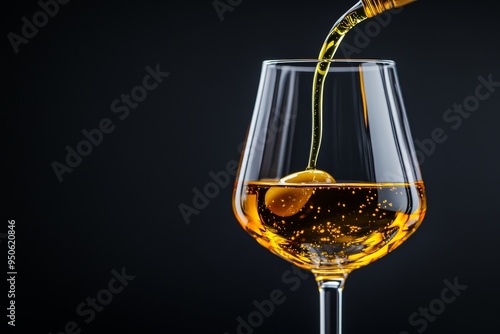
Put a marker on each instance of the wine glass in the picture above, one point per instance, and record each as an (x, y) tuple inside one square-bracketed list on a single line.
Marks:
[(364, 194)]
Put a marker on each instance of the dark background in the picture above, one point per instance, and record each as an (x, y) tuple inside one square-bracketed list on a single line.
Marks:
[(119, 208)]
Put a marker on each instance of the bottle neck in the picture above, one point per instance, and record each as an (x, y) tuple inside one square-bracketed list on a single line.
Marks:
[(375, 7)]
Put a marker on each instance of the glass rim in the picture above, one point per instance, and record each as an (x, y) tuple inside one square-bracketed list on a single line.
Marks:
[(373, 61)]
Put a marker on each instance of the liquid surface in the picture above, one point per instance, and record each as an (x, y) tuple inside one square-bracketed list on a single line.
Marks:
[(339, 227)]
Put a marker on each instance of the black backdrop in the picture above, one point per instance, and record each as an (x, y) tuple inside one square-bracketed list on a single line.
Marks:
[(111, 229)]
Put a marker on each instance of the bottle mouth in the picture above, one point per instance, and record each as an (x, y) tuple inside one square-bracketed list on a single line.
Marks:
[(375, 7)]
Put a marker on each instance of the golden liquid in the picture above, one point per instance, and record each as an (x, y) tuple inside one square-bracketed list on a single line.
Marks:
[(338, 227), (354, 16), (316, 223), (358, 13)]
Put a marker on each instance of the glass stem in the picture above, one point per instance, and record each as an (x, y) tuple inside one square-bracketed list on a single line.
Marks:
[(330, 299)]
